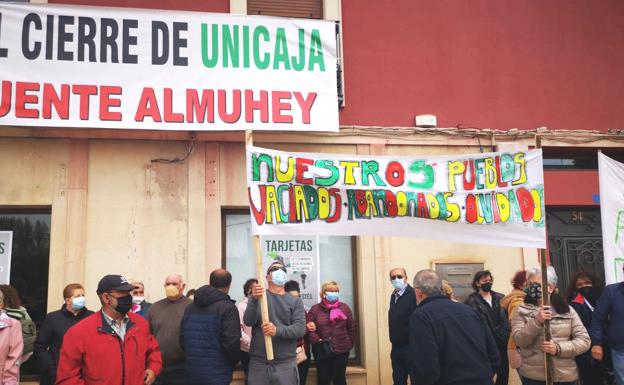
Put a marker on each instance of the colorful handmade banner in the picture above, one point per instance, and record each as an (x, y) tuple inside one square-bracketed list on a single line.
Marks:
[(80, 66), (494, 198), (611, 174)]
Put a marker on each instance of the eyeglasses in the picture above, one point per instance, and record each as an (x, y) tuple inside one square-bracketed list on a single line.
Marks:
[(398, 276), (275, 268)]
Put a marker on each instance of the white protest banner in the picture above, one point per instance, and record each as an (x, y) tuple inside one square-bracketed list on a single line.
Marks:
[(611, 175), (6, 246), (495, 198), (78, 66), (300, 256)]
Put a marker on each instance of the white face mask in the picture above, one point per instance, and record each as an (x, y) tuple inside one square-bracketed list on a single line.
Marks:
[(398, 284), (137, 300), (78, 303)]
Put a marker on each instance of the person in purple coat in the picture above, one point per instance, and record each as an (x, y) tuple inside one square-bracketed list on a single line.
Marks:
[(334, 335)]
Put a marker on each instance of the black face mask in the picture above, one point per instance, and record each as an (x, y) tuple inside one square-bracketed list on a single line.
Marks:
[(587, 292), (124, 304), (486, 287)]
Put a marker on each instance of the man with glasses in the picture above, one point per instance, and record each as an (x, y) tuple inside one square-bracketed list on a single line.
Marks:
[(402, 304), (112, 346)]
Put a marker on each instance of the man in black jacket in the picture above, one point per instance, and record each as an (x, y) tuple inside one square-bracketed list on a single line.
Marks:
[(486, 302), (402, 304), (47, 347), (448, 342), (210, 333)]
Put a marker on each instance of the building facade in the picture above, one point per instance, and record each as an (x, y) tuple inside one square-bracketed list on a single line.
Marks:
[(498, 76)]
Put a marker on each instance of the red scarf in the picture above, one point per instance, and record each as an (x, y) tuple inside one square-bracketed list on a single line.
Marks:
[(335, 314)]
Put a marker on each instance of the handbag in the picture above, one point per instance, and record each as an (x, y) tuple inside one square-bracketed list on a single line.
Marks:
[(301, 355), (322, 350)]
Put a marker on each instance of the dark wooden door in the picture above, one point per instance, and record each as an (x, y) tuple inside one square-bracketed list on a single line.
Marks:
[(574, 242)]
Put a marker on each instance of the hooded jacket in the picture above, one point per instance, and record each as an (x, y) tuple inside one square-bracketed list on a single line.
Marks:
[(50, 338), (10, 349), (210, 337), (567, 331), (92, 354)]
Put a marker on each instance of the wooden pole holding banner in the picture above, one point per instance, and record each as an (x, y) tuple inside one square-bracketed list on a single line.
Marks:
[(548, 359), (264, 306)]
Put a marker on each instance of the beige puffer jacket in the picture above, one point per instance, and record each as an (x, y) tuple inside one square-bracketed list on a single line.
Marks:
[(567, 330)]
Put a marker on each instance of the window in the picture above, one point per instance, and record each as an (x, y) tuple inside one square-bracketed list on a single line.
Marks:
[(309, 9), (30, 258), (577, 158), (336, 260)]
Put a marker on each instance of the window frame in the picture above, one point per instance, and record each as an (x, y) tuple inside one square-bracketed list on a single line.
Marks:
[(357, 360)]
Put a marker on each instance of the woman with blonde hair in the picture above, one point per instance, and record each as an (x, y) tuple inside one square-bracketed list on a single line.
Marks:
[(569, 337), (333, 337), (11, 346), (448, 291)]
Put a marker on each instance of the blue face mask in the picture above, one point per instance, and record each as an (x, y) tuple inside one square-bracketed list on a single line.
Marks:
[(398, 284), (279, 277), (332, 296), (78, 303)]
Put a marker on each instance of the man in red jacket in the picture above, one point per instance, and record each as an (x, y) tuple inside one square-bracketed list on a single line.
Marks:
[(112, 346)]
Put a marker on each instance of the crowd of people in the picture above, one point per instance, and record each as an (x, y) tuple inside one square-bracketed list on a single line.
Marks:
[(437, 340), (201, 336)]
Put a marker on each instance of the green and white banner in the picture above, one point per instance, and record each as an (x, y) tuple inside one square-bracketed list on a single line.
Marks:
[(77, 66), (491, 198), (611, 175)]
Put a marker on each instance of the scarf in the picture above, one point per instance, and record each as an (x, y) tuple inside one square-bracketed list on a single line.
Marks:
[(335, 314)]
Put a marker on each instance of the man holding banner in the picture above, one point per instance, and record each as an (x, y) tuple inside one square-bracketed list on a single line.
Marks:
[(287, 325)]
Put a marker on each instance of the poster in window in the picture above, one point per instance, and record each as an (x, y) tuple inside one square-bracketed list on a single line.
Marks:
[(6, 241), (300, 255)]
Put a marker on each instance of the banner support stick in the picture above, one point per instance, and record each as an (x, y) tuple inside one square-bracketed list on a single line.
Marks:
[(548, 359), (264, 306)]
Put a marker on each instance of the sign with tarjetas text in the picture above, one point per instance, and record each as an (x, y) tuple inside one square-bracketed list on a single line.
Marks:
[(80, 66), (490, 198), (300, 255), (6, 247)]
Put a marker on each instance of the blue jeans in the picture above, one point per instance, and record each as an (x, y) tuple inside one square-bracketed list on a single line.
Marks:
[(618, 365)]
